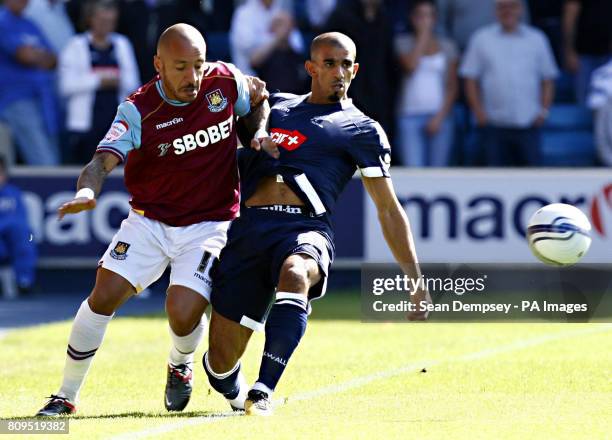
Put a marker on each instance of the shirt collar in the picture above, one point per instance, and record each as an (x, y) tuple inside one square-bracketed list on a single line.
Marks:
[(518, 31), (174, 102), (344, 104)]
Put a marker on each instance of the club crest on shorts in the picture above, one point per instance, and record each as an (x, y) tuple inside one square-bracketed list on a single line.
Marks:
[(216, 101), (120, 251)]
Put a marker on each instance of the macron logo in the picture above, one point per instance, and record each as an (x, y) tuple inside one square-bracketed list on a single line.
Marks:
[(169, 123)]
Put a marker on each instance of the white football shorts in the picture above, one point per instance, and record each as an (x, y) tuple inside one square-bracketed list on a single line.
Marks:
[(142, 249)]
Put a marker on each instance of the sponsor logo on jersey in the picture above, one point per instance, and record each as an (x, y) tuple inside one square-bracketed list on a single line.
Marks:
[(216, 101), (163, 149), (318, 120), (120, 251), (204, 137), (289, 140), (118, 129), (169, 123)]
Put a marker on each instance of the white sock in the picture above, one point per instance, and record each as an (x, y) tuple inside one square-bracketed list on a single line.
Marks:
[(183, 347), (87, 333), (238, 401)]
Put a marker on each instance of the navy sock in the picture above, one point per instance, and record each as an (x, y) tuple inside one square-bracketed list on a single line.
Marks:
[(285, 327), (225, 383)]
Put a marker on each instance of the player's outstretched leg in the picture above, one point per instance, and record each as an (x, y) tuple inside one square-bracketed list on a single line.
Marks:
[(227, 342), (185, 309), (285, 327), (88, 330)]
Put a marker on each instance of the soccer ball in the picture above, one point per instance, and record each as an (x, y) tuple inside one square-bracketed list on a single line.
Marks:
[(559, 234)]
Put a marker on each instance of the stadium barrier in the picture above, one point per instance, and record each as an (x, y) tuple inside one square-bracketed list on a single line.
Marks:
[(456, 214)]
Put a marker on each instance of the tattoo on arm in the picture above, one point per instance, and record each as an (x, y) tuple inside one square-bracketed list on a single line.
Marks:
[(249, 124), (257, 118), (95, 172)]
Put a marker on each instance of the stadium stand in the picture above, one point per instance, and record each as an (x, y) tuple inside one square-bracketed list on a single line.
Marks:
[(218, 46), (567, 138)]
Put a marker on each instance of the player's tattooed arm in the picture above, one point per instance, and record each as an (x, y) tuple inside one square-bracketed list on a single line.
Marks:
[(397, 233), (255, 130), (89, 184)]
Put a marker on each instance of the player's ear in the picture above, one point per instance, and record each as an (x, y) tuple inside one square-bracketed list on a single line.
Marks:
[(310, 68), (157, 63), (355, 69)]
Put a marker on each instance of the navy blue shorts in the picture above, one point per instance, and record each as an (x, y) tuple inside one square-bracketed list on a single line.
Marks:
[(258, 242)]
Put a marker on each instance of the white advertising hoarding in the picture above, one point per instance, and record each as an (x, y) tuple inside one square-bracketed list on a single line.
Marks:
[(480, 216)]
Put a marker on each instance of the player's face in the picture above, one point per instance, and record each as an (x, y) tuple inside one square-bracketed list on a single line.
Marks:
[(181, 68), (332, 69)]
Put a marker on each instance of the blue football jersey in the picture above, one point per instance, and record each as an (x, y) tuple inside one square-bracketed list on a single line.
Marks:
[(321, 146)]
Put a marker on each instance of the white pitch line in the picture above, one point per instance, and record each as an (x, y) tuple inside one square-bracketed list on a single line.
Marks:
[(365, 380), (490, 352)]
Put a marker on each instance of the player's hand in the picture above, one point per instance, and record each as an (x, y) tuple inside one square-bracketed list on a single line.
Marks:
[(267, 144), (419, 298), (257, 90), (75, 206)]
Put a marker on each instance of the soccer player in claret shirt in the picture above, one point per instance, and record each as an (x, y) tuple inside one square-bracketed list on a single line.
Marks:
[(287, 203), (177, 136)]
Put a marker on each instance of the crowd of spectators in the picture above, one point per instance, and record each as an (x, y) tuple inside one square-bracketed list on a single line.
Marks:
[(453, 82)]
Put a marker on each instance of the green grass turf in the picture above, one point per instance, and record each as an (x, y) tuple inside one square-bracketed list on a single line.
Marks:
[(481, 381)]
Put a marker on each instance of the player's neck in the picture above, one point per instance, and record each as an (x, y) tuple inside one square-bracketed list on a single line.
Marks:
[(315, 98)]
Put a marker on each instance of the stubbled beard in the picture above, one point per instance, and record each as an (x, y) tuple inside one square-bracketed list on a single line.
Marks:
[(335, 97)]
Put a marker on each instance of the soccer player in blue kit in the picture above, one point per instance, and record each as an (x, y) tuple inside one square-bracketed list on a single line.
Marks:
[(280, 248)]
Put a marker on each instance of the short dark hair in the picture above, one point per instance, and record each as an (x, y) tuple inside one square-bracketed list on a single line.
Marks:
[(334, 39)]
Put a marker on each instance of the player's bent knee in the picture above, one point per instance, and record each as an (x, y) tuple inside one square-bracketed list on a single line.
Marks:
[(184, 308), (298, 274), (111, 290)]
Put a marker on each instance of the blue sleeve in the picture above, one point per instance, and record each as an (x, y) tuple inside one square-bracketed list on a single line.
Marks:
[(124, 134), (371, 150), (278, 97), (243, 103), (11, 39), (14, 38)]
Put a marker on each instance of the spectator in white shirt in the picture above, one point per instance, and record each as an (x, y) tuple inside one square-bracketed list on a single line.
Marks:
[(97, 70), (600, 101), (509, 72), (429, 90)]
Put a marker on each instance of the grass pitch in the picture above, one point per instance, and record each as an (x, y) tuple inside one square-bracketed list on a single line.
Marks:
[(347, 380)]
